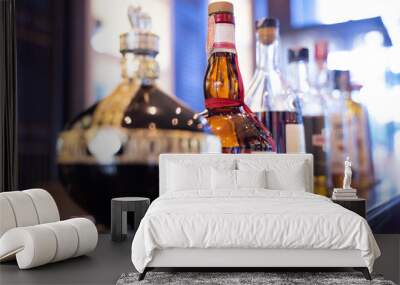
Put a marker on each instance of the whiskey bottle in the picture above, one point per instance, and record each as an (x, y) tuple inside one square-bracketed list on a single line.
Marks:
[(314, 119), (269, 95), (229, 117), (356, 135)]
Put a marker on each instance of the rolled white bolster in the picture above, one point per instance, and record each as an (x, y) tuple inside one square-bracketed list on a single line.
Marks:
[(33, 246), (37, 245), (87, 235), (23, 208), (45, 205), (7, 218), (67, 240)]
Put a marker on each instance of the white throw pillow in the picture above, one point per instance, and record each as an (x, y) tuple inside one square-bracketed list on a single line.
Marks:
[(223, 179), (251, 178), (188, 177), (295, 180), (230, 180), (282, 173)]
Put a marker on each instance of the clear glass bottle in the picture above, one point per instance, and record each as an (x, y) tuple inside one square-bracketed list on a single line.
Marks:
[(314, 116), (356, 136), (337, 155), (322, 81), (230, 119), (270, 97)]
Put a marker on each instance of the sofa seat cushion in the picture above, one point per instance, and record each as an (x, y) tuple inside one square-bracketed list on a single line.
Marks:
[(41, 244)]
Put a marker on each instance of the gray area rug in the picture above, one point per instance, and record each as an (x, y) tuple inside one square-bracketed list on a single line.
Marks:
[(229, 278)]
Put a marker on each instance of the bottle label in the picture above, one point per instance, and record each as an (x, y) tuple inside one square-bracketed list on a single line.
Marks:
[(221, 37), (337, 146), (318, 140), (294, 138), (210, 34), (315, 137)]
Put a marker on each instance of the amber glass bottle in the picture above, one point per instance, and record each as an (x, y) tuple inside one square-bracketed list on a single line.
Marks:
[(230, 119)]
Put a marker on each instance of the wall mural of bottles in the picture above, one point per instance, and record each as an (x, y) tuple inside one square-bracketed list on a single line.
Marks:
[(292, 104)]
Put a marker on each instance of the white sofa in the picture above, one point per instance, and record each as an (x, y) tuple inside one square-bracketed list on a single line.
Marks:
[(31, 230)]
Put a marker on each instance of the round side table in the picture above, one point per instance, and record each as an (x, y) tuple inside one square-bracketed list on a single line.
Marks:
[(119, 209)]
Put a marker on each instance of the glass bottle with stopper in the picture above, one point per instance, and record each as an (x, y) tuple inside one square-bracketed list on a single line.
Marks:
[(229, 117), (313, 108), (151, 108), (270, 97), (112, 148)]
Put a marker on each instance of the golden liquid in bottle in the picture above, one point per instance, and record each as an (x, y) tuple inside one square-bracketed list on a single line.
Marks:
[(357, 120), (235, 128)]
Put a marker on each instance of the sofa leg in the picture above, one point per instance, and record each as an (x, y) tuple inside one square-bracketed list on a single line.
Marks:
[(142, 275), (364, 271)]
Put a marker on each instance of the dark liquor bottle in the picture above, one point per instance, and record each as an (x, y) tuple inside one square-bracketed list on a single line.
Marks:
[(269, 95), (112, 148), (230, 119), (314, 116)]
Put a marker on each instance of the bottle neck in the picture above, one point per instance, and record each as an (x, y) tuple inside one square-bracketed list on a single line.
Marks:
[(141, 67), (221, 33), (223, 85), (322, 75), (267, 56), (299, 76)]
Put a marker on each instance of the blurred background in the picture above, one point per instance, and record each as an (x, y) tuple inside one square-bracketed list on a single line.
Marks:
[(69, 59)]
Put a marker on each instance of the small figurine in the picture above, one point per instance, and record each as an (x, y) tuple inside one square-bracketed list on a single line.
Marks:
[(347, 174)]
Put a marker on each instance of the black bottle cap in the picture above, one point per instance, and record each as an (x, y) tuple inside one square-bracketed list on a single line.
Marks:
[(267, 23), (342, 80), (298, 54)]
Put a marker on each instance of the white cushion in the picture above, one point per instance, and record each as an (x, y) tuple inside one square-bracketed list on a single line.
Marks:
[(87, 233), (45, 205), (23, 208), (67, 240), (26, 208), (281, 162), (251, 178), (184, 174), (282, 174), (7, 218), (33, 246), (278, 180), (231, 180), (183, 177), (223, 179), (40, 244)]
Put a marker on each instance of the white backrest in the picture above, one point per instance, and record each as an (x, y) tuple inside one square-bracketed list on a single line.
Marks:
[(210, 159), (26, 208)]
